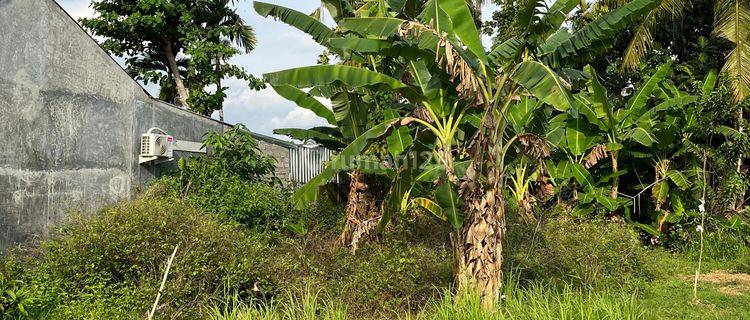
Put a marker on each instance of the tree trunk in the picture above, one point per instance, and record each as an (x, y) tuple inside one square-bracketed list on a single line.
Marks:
[(362, 212), (616, 180), (739, 201), (182, 94), (218, 86), (477, 245)]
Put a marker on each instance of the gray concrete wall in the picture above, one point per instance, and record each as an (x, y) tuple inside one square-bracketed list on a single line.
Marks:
[(70, 122)]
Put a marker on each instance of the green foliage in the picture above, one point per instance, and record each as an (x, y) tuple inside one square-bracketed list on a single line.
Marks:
[(237, 152), (150, 36), (597, 254), (109, 265)]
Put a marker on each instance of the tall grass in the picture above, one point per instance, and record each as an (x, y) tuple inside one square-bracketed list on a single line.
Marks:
[(305, 304), (532, 302)]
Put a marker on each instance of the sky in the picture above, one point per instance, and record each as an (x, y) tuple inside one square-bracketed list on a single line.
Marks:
[(279, 47)]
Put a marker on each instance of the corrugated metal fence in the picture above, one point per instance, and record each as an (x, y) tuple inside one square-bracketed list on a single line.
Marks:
[(306, 162)]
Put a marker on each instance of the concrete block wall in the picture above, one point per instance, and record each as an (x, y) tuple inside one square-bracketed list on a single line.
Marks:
[(70, 122)]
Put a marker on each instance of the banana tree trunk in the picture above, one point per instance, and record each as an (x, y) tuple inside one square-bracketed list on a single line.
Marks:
[(739, 201), (182, 95), (362, 212), (477, 245), (616, 181)]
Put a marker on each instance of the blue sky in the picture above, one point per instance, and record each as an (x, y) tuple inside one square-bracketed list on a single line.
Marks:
[(279, 47)]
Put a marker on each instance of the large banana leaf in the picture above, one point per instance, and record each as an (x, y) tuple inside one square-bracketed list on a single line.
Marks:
[(343, 161), (339, 9), (433, 15), (359, 45), (506, 51), (398, 141), (557, 13), (304, 100), (578, 136), (464, 27), (430, 89), (637, 103), (602, 29), (315, 134), (319, 31), (321, 75), (641, 135), (556, 130), (600, 99), (582, 176), (666, 105), (709, 83), (351, 114), (380, 28), (545, 85), (448, 199), (520, 113)]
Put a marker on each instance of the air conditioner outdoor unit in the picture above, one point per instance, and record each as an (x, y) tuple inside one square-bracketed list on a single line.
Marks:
[(156, 146)]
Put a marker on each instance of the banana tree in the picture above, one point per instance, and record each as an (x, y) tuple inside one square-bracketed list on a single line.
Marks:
[(605, 131), (454, 84), (357, 106)]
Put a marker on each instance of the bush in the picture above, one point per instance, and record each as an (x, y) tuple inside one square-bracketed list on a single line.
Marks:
[(252, 204), (110, 265), (401, 272), (583, 253)]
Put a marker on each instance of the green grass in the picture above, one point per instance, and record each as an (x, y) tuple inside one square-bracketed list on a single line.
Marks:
[(668, 296)]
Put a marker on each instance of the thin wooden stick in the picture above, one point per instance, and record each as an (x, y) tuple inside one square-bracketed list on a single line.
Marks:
[(701, 229), (163, 283)]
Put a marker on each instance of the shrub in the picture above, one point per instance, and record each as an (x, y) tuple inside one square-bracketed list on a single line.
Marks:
[(399, 273), (583, 253), (253, 204), (237, 154), (111, 263)]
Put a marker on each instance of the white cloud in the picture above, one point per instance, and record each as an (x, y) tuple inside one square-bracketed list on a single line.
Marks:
[(77, 8)]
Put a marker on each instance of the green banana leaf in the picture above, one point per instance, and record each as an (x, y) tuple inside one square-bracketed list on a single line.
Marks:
[(602, 29), (641, 135), (378, 28), (306, 101), (343, 161), (322, 75), (326, 140), (506, 51), (359, 45), (582, 176), (709, 83), (398, 141), (541, 81), (637, 103), (521, 112), (448, 199), (600, 99), (578, 136), (464, 27), (319, 31), (351, 114), (556, 130)]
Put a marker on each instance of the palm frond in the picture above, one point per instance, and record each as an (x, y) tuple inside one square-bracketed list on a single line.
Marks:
[(643, 35), (732, 22)]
